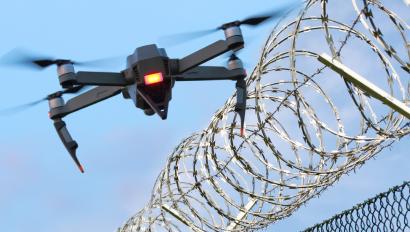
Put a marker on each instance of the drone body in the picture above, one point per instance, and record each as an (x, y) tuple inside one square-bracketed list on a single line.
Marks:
[(147, 80), (153, 87)]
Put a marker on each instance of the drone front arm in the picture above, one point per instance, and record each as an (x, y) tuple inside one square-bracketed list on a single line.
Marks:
[(101, 79), (209, 52), (203, 55), (211, 73), (86, 99), (94, 78)]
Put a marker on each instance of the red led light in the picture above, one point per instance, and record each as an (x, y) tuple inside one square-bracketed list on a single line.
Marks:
[(81, 168), (153, 78)]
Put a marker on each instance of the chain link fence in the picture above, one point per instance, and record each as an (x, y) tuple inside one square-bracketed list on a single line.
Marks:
[(388, 211)]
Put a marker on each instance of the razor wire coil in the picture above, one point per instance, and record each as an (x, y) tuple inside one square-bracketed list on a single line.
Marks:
[(305, 125)]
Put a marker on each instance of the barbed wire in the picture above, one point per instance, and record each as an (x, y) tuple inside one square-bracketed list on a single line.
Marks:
[(305, 125), (388, 211)]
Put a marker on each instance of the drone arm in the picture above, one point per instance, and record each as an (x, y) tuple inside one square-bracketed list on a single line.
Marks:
[(211, 73), (209, 52), (101, 79), (201, 56), (94, 78), (86, 99)]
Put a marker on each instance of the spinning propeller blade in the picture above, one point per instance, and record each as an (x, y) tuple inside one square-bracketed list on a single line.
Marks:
[(22, 57), (251, 21), (274, 14), (186, 36), (17, 109)]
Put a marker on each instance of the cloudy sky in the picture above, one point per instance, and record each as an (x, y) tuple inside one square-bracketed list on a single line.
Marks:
[(122, 149)]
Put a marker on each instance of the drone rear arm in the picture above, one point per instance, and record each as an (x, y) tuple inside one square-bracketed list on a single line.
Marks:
[(211, 73), (84, 100)]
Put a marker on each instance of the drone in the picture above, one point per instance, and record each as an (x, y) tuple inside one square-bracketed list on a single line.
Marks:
[(148, 78)]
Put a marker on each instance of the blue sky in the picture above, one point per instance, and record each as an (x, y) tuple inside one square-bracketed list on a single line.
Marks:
[(122, 149)]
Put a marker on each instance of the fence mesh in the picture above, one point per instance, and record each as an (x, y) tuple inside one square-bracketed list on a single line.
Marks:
[(388, 211)]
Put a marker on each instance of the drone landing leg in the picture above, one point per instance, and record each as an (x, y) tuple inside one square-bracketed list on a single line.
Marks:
[(70, 144), (240, 107)]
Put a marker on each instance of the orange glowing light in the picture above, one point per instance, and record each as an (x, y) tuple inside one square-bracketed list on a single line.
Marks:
[(153, 78)]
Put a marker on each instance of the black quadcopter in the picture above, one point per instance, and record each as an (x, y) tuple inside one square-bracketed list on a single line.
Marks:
[(149, 78)]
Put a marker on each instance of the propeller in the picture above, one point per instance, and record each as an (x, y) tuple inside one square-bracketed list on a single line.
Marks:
[(17, 109), (250, 21), (185, 36), (22, 57)]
